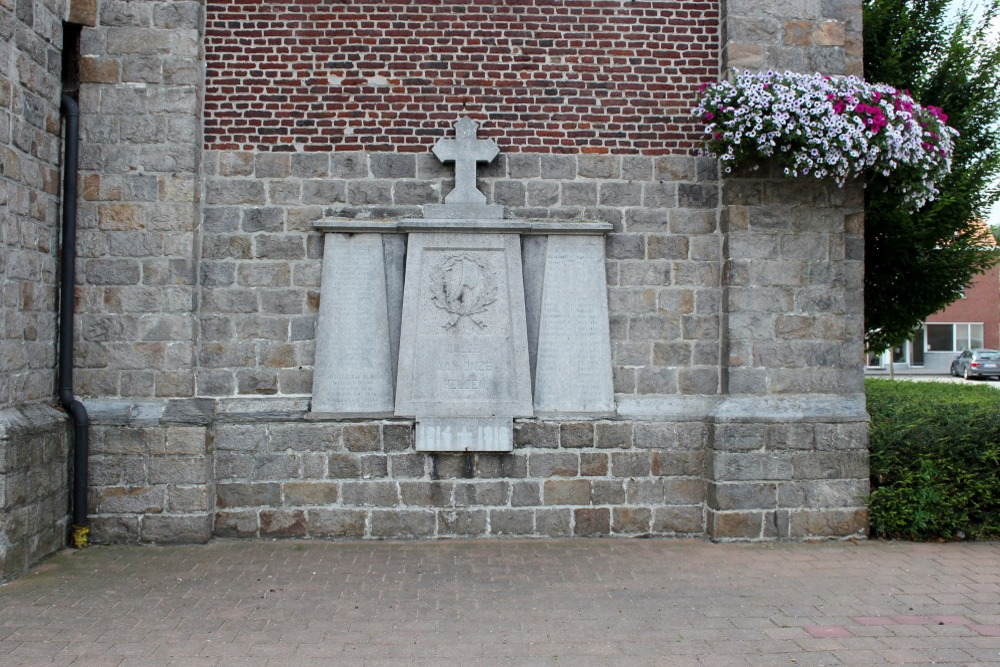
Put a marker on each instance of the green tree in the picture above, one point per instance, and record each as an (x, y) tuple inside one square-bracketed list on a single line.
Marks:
[(917, 262)]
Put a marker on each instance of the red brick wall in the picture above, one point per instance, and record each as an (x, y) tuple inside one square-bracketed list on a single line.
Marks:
[(544, 76), (981, 304)]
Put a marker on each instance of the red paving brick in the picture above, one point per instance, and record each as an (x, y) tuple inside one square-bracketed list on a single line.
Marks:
[(498, 602)]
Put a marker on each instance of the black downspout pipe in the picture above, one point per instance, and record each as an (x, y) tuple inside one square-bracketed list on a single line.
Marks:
[(67, 284)]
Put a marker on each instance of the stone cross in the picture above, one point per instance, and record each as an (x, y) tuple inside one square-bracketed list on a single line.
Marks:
[(465, 151)]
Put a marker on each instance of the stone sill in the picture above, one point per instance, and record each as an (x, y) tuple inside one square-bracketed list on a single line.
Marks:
[(815, 408), (441, 225)]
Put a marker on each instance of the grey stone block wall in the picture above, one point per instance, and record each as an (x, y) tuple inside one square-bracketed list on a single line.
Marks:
[(812, 36), (142, 80), (34, 486), (261, 259), (256, 467), (34, 439), (30, 47), (793, 287), (295, 479), (735, 318), (764, 469), (151, 471), (787, 476), (788, 445)]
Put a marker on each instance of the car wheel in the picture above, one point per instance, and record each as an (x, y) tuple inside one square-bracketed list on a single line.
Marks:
[(965, 374), (953, 371)]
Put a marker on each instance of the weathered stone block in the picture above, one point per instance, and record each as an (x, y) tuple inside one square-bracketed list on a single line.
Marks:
[(481, 493), (526, 494), (362, 438), (311, 165), (631, 520), (613, 435), (554, 522), (451, 466), (830, 465), (566, 491), (620, 194), (344, 466), (512, 522), (248, 494), (559, 167), (276, 466), (282, 523), (739, 437), (407, 466), (599, 166), (403, 523), (593, 464), (179, 470), (189, 499), (305, 437), (645, 491), (536, 434), (735, 525), (576, 434), (370, 494), (336, 523), (272, 165), (128, 500), (240, 523), (176, 528), (736, 496), (466, 523), (678, 463), (651, 435), (630, 464), (826, 523), (542, 193), (427, 494), (688, 520), (397, 437), (824, 493), (607, 492), (393, 165), (685, 490), (114, 529), (591, 521), (731, 466), (310, 493), (554, 464)]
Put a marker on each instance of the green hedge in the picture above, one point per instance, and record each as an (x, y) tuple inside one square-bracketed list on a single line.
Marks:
[(935, 460)]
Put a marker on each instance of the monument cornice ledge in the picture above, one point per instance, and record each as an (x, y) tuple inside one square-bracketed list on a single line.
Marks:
[(791, 408), (746, 409), (665, 407), (447, 225)]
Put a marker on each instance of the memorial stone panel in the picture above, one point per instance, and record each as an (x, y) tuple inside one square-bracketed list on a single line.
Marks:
[(573, 367), (460, 434), (353, 340), (463, 346)]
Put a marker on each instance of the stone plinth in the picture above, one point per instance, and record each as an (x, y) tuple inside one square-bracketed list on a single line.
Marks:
[(463, 344)]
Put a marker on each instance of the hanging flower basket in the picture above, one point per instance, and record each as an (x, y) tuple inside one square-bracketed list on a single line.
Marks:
[(828, 127)]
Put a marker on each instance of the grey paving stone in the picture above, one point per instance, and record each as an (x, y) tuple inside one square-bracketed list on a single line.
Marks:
[(760, 604)]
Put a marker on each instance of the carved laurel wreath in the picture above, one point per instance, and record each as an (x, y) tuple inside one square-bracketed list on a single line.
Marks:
[(463, 286)]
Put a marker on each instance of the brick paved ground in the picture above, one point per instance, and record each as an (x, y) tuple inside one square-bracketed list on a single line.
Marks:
[(558, 602)]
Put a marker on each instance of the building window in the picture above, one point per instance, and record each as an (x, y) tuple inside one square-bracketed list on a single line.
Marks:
[(954, 337)]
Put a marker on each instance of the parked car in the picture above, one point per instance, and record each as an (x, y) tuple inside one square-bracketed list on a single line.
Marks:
[(977, 363)]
